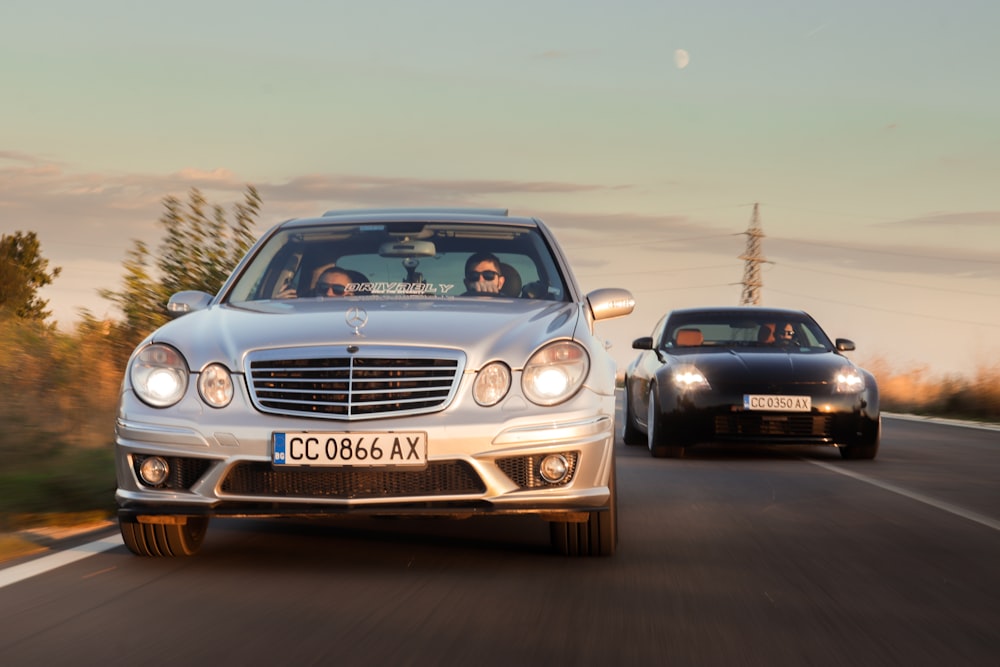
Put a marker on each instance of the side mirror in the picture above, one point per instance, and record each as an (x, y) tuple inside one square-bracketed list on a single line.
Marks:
[(610, 302), (188, 301), (644, 343), (844, 345)]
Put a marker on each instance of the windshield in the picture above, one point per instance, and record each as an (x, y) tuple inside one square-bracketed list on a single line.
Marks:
[(727, 330), (401, 259)]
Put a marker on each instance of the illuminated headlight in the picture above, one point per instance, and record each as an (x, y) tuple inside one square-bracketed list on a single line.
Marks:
[(215, 385), (159, 375), (491, 385), (849, 381), (690, 378), (555, 373)]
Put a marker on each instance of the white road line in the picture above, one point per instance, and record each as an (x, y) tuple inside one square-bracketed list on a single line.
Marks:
[(913, 495), (12, 575)]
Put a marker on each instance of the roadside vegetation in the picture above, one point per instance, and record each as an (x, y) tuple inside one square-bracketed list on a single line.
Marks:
[(61, 389)]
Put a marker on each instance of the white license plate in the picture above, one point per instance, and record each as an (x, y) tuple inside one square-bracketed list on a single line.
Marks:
[(772, 403), (350, 449)]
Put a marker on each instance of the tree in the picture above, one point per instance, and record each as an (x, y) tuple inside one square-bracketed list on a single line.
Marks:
[(23, 271), (199, 250)]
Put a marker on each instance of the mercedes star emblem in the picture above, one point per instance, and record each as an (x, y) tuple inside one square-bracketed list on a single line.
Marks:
[(357, 318)]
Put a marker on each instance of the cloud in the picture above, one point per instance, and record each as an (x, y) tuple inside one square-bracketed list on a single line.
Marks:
[(897, 258), (86, 222), (965, 219)]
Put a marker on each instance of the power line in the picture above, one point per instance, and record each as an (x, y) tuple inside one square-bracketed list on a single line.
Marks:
[(827, 244), (888, 310), (886, 282)]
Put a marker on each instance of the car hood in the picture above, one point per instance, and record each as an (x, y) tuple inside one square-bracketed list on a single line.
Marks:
[(773, 365), (484, 330)]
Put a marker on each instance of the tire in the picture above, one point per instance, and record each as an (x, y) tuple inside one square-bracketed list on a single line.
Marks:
[(866, 447), (182, 537), (659, 446), (597, 536), (630, 434)]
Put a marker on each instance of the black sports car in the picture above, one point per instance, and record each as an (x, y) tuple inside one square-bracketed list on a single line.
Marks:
[(748, 374)]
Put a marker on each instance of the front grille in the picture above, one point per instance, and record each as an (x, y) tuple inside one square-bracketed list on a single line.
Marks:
[(523, 470), (334, 384), (437, 479), (747, 424), (184, 471)]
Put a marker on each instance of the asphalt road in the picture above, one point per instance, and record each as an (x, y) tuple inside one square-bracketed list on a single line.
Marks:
[(728, 557)]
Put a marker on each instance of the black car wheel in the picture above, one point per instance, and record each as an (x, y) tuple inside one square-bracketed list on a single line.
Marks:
[(866, 446), (656, 439), (177, 536), (631, 435)]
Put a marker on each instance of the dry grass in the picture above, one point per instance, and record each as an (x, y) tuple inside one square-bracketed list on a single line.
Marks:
[(919, 391)]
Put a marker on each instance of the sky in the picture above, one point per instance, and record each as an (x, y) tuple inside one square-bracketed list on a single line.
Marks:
[(642, 132)]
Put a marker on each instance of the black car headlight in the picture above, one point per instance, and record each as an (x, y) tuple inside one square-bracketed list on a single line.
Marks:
[(690, 378), (849, 380), (555, 373), (159, 375)]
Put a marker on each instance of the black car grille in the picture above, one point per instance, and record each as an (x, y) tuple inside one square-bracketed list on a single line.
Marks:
[(749, 425), (395, 382), (437, 479)]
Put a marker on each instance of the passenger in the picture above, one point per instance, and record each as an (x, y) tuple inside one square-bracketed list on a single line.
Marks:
[(483, 275), (334, 282)]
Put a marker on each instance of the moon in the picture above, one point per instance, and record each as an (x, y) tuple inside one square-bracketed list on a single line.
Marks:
[(681, 58)]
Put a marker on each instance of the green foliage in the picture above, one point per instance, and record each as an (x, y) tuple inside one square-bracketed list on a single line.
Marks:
[(23, 271), (58, 411), (199, 250), (66, 480)]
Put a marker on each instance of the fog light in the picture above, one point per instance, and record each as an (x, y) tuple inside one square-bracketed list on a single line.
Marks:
[(154, 470), (554, 468)]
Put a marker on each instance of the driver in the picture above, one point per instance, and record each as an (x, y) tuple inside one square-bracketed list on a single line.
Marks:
[(483, 275)]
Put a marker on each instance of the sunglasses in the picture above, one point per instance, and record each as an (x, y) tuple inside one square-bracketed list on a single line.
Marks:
[(787, 333), (488, 276), (323, 288)]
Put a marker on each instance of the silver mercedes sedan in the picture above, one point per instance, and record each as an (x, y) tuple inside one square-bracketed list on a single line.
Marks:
[(405, 363)]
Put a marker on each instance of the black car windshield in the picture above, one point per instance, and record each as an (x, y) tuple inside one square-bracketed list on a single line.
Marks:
[(767, 331), (401, 259)]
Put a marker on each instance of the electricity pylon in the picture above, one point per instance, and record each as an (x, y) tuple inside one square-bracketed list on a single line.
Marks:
[(752, 257)]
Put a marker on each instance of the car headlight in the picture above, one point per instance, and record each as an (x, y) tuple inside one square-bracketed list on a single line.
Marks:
[(215, 385), (159, 375), (555, 373), (690, 378), (849, 381), (492, 383)]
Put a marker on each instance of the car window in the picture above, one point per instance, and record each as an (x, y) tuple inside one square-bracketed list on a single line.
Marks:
[(399, 260), (722, 331)]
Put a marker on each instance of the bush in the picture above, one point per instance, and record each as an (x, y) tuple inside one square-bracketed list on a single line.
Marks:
[(58, 412)]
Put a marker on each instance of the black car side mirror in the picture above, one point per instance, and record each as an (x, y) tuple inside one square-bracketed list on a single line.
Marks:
[(844, 345), (644, 343)]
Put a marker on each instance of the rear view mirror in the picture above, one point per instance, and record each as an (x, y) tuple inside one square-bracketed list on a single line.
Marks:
[(407, 249)]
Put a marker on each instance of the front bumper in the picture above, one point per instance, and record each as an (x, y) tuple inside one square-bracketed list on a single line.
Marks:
[(480, 472), (836, 420)]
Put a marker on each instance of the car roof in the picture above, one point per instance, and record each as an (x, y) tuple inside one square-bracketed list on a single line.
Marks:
[(384, 215), (740, 311)]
